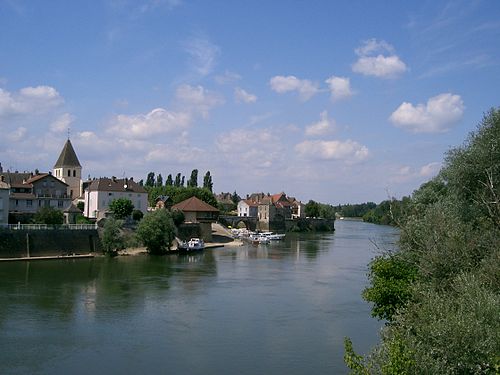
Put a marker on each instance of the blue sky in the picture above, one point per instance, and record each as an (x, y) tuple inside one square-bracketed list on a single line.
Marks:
[(327, 100)]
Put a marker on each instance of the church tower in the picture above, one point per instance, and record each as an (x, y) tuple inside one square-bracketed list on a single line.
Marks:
[(69, 170)]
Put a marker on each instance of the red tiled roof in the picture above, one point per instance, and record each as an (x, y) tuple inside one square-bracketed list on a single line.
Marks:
[(194, 204)]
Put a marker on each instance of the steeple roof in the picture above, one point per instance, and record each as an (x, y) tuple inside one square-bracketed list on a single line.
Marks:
[(68, 157)]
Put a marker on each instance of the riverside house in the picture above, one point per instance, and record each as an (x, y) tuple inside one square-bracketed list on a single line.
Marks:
[(100, 192)]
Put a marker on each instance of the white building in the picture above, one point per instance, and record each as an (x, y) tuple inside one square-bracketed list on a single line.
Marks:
[(99, 193), (69, 170), (247, 208)]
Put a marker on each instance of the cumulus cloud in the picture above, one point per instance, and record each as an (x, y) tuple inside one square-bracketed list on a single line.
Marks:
[(197, 99), (306, 88), (323, 126), (158, 121), (377, 58), (438, 115), (349, 151), (29, 100), (340, 87), (243, 96), (62, 123), (407, 173), (261, 149), (203, 54)]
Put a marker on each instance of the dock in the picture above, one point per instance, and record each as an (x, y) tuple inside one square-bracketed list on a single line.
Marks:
[(49, 257)]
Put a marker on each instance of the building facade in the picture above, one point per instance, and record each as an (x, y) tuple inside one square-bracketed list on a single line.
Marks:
[(99, 193), (4, 202)]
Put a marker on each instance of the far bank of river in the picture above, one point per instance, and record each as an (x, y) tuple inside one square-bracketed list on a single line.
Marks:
[(280, 308)]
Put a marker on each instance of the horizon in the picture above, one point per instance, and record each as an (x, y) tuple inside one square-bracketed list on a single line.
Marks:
[(339, 103)]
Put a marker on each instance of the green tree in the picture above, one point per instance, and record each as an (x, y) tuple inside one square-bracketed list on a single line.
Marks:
[(182, 181), (137, 215), (235, 197), (312, 209), (156, 231), (112, 240), (81, 206), (178, 217), (193, 180), (48, 215), (150, 180), (207, 181), (177, 182), (159, 180), (121, 208), (169, 181)]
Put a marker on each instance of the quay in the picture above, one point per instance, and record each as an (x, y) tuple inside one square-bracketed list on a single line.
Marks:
[(50, 257)]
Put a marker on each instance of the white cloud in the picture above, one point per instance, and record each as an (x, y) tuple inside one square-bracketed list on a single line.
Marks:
[(373, 62), (323, 126), (436, 116), (158, 121), (243, 96), (430, 170), (62, 123), (340, 87), (406, 173), (29, 100), (349, 151), (306, 89), (203, 54), (227, 78), (17, 134), (198, 99)]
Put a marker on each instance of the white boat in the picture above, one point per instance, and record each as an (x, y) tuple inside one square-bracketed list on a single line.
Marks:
[(273, 236), (259, 239), (195, 244)]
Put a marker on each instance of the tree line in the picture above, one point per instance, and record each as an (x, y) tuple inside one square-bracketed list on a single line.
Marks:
[(440, 292), (178, 181)]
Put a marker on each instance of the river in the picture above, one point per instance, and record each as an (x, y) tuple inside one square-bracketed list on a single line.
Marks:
[(282, 308)]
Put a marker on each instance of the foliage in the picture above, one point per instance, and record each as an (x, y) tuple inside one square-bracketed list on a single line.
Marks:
[(121, 208), (177, 182), (169, 181), (156, 231), (159, 180), (193, 180), (111, 236), (388, 212), (391, 278), (207, 181), (235, 197), (355, 362), (354, 210), (178, 194), (80, 219), (178, 217), (81, 206), (150, 180), (48, 215), (449, 281), (137, 215), (312, 209)]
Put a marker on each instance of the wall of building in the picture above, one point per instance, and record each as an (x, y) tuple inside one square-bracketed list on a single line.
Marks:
[(15, 243), (4, 206), (99, 201)]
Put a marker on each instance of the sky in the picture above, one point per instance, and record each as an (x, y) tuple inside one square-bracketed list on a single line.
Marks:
[(335, 101)]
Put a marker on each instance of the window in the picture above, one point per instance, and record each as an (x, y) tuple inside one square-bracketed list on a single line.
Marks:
[(69, 173), (60, 204), (1, 203), (74, 172), (17, 202), (110, 194), (29, 203)]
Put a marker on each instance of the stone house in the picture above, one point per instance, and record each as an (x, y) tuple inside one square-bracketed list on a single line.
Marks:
[(99, 193), (198, 212)]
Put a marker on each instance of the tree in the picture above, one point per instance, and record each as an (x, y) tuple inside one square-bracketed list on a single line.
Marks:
[(235, 197), (156, 231), (177, 182), (312, 209), (182, 181), (169, 181), (121, 208), (137, 215), (178, 217), (207, 181), (48, 215), (150, 180), (111, 236), (193, 180), (159, 180), (81, 206)]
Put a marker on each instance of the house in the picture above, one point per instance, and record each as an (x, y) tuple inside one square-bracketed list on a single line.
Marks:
[(247, 208), (29, 192), (68, 169), (200, 213), (4, 201), (99, 193), (298, 208), (164, 201)]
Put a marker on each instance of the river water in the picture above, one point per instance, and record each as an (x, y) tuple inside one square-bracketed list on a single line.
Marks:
[(282, 308)]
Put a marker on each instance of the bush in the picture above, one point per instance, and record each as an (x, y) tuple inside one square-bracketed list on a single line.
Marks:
[(111, 236), (121, 208), (48, 215), (156, 231), (137, 215)]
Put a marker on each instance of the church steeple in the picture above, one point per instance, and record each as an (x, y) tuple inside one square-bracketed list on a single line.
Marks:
[(69, 170)]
